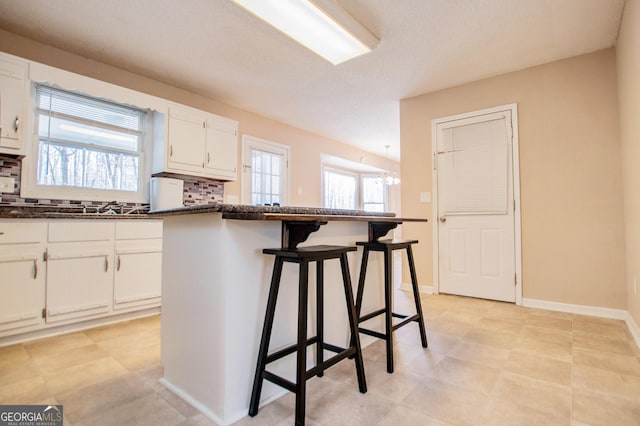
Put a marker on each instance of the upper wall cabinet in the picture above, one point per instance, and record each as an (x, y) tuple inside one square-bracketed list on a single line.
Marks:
[(187, 138), (222, 147), (197, 143), (13, 87)]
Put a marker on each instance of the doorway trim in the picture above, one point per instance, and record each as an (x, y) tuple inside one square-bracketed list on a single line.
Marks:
[(515, 153)]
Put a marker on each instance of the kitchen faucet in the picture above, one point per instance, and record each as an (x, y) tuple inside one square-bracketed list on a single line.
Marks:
[(110, 205)]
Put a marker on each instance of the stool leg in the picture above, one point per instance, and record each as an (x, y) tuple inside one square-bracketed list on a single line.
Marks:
[(266, 336), (416, 297), (360, 294), (301, 365), (353, 322), (320, 315), (388, 307), (363, 274)]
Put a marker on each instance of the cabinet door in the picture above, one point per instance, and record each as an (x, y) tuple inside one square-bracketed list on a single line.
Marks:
[(22, 287), (138, 278), (187, 138), (12, 96), (222, 148), (79, 280)]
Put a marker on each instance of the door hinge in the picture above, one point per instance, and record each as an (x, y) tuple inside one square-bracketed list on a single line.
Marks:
[(514, 205), (44, 313), (44, 256), (515, 279)]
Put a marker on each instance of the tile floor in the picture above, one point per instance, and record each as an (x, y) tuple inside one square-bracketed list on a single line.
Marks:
[(488, 363)]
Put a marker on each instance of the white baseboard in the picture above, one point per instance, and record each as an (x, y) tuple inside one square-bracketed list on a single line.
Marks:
[(56, 330), (595, 311), (633, 328), (425, 289), (210, 414), (238, 416), (195, 404)]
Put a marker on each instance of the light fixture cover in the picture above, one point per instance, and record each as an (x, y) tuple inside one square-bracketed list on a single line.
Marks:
[(322, 26)]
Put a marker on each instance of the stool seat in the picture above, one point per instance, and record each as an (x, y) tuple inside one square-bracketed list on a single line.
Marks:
[(312, 252), (303, 256), (390, 244), (387, 246)]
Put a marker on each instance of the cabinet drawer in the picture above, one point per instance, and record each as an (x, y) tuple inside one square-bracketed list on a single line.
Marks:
[(138, 229), (22, 232), (81, 230)]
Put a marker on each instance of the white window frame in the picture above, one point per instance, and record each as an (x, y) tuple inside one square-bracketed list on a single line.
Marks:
[(343, 172), (385, 195), (359, 175), (29, 182), (251, 142)]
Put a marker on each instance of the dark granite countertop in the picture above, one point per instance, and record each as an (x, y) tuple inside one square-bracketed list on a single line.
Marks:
[(54, 212), (246, 212), (229, 211), (243, 211)]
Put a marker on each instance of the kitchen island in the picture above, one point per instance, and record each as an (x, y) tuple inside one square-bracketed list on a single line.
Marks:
[(215, 281)]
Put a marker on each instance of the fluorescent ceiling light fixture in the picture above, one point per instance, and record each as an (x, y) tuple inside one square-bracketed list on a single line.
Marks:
[(322, 26)]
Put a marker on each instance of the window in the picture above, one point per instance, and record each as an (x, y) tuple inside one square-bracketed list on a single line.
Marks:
[(340, 189), (373, 194), (88, 143), (266, 172), (350, 190)]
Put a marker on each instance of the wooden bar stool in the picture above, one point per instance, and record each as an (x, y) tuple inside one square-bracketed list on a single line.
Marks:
[(303, 256), (387, 247)]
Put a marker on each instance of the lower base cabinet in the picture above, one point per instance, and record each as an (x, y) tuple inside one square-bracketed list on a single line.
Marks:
[(137, 275), (60, 272), (22, 286), (79, 281)]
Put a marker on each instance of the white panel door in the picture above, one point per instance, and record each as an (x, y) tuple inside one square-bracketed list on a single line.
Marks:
[(476, 231)]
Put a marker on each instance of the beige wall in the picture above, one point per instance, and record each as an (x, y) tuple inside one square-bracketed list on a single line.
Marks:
[(570, 174), (306, 147), (628, 56)]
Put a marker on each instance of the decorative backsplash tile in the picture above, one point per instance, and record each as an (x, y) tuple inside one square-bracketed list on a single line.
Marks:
[(202, 191), (197, 191)]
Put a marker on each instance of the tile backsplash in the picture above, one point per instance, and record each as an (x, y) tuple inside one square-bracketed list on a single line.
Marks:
[(202, 191), (196, 190)]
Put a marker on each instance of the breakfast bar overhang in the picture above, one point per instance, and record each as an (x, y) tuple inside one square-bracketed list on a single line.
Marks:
[(215, 286)]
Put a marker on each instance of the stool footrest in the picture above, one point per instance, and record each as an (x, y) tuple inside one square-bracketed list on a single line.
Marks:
[(280, 381), (330, 362), (405, 321), (372, 333), (341, 353), (289, 350), (371, 315)]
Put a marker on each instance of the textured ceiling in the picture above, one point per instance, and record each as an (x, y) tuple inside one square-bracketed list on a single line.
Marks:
[(214, 48)]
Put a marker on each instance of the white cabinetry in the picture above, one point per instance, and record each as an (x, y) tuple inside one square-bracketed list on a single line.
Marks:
[(79, 269), (197, 143), (61, 272), (13, 87), (187, 138), (222, 147), (22, 283), (138, 265)]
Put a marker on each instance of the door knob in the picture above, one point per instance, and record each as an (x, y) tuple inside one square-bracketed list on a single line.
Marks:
[(443, 219)]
